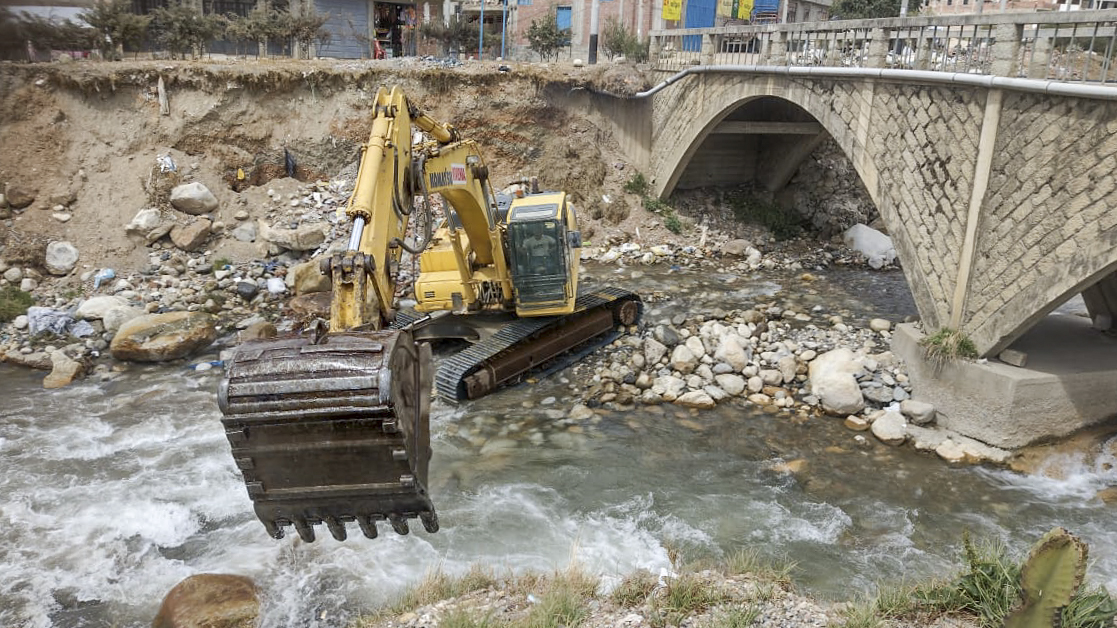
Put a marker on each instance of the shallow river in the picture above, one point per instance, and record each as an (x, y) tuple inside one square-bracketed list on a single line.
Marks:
[(113, 493)]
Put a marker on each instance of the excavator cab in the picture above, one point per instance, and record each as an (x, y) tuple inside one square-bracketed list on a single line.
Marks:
[(543, 243)]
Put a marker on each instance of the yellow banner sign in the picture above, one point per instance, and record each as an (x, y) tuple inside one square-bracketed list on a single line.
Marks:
[(673, 9), (738, 9)]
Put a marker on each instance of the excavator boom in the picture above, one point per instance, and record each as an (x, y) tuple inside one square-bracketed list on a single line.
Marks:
[(333, 427)]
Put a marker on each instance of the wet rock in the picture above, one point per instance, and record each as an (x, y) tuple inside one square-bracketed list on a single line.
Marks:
[(696, 399), (64, 370), (36, 360), (951, 452), (833, 381), (918, 412), (19, 196), (191, 237), (305, 278), (856, 423), (210, 601), (890, 428), (580, 412), (303, 238), (61, 257), (796, 467), (162, 337), (193, 198)]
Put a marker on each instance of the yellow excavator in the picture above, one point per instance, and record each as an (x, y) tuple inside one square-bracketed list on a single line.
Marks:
[(332, 425)]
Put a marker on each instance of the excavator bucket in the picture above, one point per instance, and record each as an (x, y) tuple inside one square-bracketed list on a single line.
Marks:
[(332, 431)]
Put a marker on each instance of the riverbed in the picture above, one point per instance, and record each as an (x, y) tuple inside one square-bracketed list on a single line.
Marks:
[(116, 491)]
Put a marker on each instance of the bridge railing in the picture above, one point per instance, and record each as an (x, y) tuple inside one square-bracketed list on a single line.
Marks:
[(1077, 46)]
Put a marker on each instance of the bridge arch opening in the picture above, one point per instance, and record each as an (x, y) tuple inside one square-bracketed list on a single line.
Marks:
[(760, 141)]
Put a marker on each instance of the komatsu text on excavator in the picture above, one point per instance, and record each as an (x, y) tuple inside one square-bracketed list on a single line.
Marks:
[(331, 426)]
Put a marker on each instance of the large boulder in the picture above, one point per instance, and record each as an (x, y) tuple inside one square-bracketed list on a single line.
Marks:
[(112, 311), (302, 238), (61, 258), (737, 248), (144, 222), (162, 337), (191, 237), (306, 278), (210, 601), (833, 378), (193, 198)]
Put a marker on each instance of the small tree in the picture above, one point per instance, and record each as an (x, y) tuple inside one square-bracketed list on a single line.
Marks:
[(260, 25), (618, 40), (236, 30), (181, 28), (546, 38), (116, 26), (865, 9), (306, 27), (453, 36)]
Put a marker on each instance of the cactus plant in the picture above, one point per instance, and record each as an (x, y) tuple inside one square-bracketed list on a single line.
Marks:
[(1050, 577)]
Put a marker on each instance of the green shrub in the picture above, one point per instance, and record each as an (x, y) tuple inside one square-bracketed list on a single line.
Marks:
[(637, 184), (635, 589), (784, 224), (545, 38), (13, 302), (947, 344), (673, 223)]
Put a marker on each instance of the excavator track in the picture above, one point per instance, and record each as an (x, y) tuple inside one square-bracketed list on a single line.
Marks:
[(528, 343), (332, 430)]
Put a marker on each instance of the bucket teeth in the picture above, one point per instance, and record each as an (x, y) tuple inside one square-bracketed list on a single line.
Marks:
[(337, 528), (305, 530), (430, 521), (399, 524), (331, 432), (368, 526)]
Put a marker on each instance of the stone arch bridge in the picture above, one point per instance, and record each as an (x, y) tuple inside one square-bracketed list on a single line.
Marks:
[(998, 184)]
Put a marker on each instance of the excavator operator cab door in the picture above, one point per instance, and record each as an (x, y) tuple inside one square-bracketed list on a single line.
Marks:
[(540, 258)]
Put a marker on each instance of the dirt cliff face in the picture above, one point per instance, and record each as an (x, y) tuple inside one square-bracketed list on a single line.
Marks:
[(85, 138)]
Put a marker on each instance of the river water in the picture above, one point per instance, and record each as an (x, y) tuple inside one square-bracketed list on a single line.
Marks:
[(114, 492)]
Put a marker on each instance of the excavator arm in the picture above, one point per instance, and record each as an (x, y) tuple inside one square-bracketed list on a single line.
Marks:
[(333, 428)]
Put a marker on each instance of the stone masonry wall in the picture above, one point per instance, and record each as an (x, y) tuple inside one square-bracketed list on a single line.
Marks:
[(1049, 228)]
